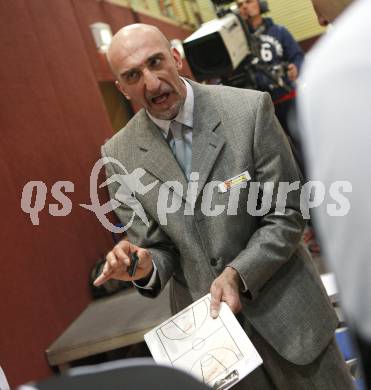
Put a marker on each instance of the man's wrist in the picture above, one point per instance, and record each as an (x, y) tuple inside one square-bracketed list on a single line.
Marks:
[(144, 281), (239, 280), (234, 273), (149, 281)]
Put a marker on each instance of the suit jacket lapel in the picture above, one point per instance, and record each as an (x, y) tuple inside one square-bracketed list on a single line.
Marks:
[(154, 154), (206, 144), (156, 157)]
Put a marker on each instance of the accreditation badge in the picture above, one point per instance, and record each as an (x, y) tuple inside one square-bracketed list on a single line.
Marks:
[(235, 181)]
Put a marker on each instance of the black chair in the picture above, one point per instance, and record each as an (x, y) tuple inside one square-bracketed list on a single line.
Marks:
[(128, 374)]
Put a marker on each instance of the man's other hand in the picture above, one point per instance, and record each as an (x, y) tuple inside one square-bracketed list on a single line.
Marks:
[(292, 72), (118, 262), (225, 288)]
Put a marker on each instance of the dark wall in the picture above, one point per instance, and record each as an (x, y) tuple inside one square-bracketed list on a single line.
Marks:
[(88, 12), (53, 121), (307, 44)]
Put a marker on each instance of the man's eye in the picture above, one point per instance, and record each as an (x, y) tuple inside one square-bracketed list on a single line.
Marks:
[(155, 62), (132, 76)]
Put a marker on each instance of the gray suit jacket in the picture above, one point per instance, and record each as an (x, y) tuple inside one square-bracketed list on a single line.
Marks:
[(234, 130)]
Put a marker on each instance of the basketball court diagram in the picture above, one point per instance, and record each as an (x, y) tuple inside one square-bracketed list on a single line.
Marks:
[(210, 349)]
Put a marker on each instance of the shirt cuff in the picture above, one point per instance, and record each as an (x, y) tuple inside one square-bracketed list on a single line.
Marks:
[(151, 281)]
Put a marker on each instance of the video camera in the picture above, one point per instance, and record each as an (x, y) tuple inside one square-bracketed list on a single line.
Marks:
[(224, 48)]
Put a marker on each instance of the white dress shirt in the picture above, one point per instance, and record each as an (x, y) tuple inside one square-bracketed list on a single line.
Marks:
[(185, 117), (335, 110)]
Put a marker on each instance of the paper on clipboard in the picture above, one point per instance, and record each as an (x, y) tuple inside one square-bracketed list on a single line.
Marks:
[(216, 351)]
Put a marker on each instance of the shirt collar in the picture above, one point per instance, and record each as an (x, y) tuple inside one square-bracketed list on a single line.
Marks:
[(185, 115)]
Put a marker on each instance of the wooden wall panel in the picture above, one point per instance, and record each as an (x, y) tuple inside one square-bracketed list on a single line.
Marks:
[(297, 16), (53, 122), (88, 12), (171, 31)]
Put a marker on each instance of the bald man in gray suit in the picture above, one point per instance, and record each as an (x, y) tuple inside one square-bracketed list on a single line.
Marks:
[(213, 240)]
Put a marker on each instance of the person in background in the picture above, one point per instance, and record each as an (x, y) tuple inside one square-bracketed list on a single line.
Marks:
[(334, 111), (187, 138), (277, 47)]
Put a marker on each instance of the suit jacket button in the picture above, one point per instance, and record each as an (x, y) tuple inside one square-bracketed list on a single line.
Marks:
[(213, 261)]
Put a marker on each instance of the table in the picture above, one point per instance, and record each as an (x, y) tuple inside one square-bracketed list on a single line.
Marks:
[(107, 324), (114, 322)]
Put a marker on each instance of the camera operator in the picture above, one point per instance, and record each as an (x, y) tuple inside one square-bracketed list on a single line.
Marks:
[(277, 48)]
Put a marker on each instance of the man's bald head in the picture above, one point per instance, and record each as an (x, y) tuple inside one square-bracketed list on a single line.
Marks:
[(146, 68), (130, 35), (328, 10)]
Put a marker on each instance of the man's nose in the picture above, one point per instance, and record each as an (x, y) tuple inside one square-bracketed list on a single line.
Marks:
[(151, 81)]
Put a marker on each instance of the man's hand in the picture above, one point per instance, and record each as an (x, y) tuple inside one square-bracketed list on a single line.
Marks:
[(292, 72), (118, 262), (225, 288)]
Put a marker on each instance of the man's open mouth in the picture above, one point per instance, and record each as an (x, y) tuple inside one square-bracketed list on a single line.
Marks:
[(160, 99)]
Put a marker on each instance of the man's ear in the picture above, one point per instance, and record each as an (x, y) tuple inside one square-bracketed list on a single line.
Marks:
[(177, 58), (121, 89)]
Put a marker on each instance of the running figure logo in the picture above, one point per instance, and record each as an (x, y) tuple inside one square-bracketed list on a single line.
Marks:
[(129, 185)]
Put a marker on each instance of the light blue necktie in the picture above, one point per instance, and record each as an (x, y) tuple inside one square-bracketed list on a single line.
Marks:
[(180, 146)]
